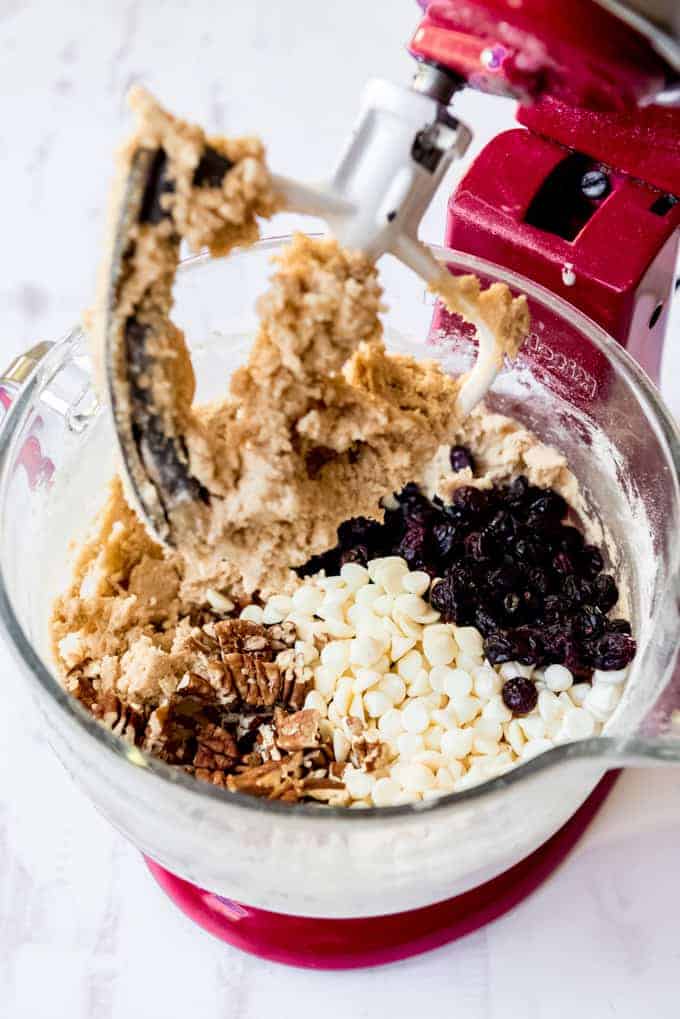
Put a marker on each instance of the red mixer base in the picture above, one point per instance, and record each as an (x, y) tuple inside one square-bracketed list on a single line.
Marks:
[(371, 941)]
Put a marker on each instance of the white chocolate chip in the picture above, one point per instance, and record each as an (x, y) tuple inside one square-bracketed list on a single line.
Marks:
[(307, 599), (416, 717), (615, 677), (341, 746), (365, 679), (376, 703), (452, 682), (457, 743), (549, 706), (335, 656), (417, 778), (218, 602), (578, 724), (420, 685), (358, 783), (469, 640), (410, 666), (577, 693), (365, 651), (487, 682), (602, 699), (390, 725), (386, 793), (409, 743), (253, 613), (466, 708), (393, 686), (439, 645), (355, 575), (277, 608), (558, 678), (416, 582), (316, 701)]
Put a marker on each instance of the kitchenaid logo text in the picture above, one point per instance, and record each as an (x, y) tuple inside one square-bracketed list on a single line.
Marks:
[(560, 364)]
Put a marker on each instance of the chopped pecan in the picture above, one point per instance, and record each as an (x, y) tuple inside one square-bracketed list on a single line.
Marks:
[(367, 754), (168, 736), (326, 790), (272, 779), (217, 778), (238, 658), (81, 688), (217, 750), (299, 731), (296, 678), (119, 717), (195, 697)]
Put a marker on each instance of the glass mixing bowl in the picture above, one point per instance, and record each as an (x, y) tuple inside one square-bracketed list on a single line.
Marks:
[(571, 384)]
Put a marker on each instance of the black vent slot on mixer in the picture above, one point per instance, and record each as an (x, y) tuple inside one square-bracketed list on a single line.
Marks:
[(569, 196), (663, 205)]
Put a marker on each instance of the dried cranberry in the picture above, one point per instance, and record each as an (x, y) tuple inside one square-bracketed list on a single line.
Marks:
[(590, 561), (512, 606), (528, 647), (328, 561), (563, 563), (570, 539), (468, 501), (358, 554), (478, 546), (460, 578), (516, 495), (451, 603), (485, 622), (502, 527), (528, 551), (554, 608), (576, 590), (619, 626), (612, 651), (461, 458), (531, 606), (359, 531), (554, 640), (548, 504), (605, 592), (519, 695), (537, 581), (445, 536), (409, 494), (499, 647), (576, 658), (503, 578), (548, 528), (412, 545), (589, 622)]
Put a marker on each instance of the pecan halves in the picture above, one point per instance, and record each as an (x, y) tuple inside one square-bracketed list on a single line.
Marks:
[(299, 731)]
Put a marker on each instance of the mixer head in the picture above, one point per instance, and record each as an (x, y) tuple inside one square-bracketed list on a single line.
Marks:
[(598, 54)]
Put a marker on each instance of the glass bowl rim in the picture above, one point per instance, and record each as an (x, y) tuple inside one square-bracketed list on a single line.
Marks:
[(584, 750)]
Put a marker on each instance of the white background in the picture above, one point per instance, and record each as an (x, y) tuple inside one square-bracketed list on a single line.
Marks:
[(83, 931)]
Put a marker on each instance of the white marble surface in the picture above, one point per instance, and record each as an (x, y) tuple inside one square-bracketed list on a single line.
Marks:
[(83, 932)]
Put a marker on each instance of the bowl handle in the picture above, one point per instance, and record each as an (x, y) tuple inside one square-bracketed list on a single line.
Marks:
[(38, 467), (18, 371)]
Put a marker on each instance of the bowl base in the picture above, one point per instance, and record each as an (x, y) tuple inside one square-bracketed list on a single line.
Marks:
[(318, 943)]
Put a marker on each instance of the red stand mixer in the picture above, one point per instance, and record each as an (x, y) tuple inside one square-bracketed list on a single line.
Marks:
[(584, 199)]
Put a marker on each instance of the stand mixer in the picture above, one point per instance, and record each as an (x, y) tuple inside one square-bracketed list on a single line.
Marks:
[(582, 200)]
